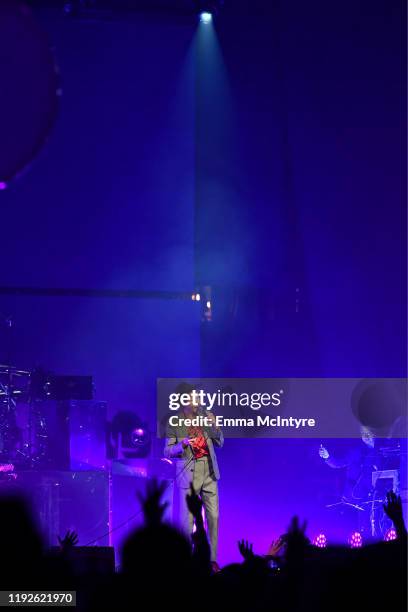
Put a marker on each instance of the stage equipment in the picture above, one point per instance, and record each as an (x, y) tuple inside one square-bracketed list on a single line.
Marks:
[(13, 388), (55, 433), (356, 540), (50, 422), (380, 405), (206, 17), (371, 487), (208, 9), (65, 501), (7, 472), (385, 480), (204, 296), (128, 437), (65, 388), (390, 535), (320, 541), (44, 385), (63, 435)]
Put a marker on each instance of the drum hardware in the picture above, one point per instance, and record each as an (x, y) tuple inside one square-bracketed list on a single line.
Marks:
[(381, 482), (345, 503), (29, 446)]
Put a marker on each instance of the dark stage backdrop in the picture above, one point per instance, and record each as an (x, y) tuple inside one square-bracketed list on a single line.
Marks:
[(108, 205), (311, 227), (265, 160)]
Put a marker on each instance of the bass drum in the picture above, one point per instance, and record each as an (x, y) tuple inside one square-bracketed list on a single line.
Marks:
[(29, 89)]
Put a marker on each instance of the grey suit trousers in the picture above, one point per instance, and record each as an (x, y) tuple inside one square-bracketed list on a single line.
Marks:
[(206, 486)]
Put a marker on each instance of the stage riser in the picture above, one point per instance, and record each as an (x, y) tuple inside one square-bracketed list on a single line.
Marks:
[(91, 503), (64, 501)]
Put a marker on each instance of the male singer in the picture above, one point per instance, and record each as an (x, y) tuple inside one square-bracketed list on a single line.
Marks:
[(196, 464)]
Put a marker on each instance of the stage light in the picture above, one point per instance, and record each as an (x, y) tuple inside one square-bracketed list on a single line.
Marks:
[(129, 437), (390, 535), (206, 17), (198, 297), (320, 541), (3, 186), (356, 540), (139, 436), (208, 304)]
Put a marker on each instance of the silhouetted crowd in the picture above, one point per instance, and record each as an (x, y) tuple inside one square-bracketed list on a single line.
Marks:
[(161, 568)]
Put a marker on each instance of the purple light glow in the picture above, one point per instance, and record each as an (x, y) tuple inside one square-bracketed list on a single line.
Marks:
[(356, 540), (320, 541), (3, 186), (390, 535)]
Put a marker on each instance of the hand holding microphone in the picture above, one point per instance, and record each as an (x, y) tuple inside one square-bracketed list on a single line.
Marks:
[(186, 442)]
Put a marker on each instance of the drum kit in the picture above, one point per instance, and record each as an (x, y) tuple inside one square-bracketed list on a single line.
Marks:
[(368, 495), (25, 398), (13, 387)]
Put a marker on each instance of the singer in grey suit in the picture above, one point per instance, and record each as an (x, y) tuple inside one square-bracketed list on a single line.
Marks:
[(196, 464)]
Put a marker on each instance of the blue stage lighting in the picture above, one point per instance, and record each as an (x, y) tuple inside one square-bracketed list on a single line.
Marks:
[(206, 17)]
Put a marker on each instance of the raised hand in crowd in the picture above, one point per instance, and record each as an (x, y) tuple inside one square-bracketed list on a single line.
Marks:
[(296, 533), (68, 541), (276, 548), (246, 549), (296, 542), (393, 509), (151, 502)]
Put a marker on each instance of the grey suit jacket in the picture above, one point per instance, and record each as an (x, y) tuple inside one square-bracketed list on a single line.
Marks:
[(183, 457)]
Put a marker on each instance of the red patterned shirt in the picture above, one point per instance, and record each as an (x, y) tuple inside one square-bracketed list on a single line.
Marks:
[(199, 444)]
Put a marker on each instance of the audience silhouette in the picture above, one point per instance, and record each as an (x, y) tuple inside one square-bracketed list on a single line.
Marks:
[(160, 567)]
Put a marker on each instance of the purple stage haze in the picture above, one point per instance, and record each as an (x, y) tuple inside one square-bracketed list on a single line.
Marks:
[(264, 158)]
